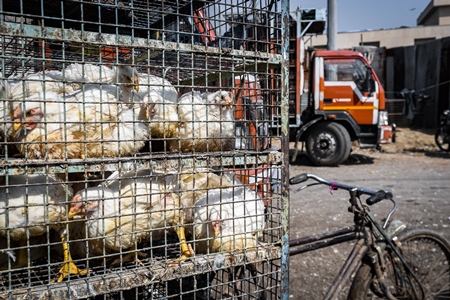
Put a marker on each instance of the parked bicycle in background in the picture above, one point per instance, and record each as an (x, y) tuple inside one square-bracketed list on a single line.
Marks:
[(442, 136), (387, 261)]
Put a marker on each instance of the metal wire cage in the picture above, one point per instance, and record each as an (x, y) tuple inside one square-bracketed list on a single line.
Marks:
[(137, 158)]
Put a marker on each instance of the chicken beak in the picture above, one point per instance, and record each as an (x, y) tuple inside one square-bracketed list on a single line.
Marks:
[(75, 205), (17, 126), (228, 101), (228, 104), (136, 83), (72, 213)]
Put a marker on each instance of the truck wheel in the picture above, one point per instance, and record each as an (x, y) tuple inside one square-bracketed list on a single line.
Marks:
[(328, 144)]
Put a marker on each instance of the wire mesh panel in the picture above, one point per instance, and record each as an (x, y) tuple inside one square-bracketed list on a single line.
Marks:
[(137, 159)]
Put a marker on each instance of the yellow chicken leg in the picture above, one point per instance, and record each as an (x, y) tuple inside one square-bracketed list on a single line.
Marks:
[(68, 266), (186, 251)]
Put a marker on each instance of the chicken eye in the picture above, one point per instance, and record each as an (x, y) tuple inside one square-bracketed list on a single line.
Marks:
[(29, 112)]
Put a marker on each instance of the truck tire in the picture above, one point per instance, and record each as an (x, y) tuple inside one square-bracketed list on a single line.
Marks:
[(347, 143), (328, 144)]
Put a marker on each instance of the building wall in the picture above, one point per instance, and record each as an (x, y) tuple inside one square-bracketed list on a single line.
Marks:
[(432, 20), (423, 68), (444, 16), (388, 38), (436, 13)]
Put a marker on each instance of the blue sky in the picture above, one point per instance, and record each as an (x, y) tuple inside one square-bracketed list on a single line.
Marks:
[(364, 14)]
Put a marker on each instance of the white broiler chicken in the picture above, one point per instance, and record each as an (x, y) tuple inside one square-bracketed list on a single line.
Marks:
[(228, 219), (86, 83), (29, 207), (136, 86), (17, 90), (207, 122), (83, 124), (67, 80), (191, 186), (131, 210), (84, 73), (120, 81)]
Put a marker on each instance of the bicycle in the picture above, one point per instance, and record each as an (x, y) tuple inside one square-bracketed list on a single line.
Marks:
[(387, 261)]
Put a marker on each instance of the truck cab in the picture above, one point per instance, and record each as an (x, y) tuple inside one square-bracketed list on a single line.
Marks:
[(345, 103), (344, 87)]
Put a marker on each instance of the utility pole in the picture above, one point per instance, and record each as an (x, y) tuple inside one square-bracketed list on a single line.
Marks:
[(332, 25)]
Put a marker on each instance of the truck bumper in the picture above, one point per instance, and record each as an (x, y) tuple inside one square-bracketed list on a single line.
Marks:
[(387, 134)]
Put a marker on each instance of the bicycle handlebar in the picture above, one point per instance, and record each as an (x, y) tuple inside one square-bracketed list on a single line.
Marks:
[(375, 197), (380, 195)]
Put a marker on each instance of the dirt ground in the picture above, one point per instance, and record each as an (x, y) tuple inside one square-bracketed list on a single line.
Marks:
[(413, 169)]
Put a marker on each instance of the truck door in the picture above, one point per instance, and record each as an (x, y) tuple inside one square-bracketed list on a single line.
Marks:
[(348, 84)]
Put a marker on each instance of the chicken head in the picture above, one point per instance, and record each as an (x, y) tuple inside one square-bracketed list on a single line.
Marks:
[(32, 117), (129, 78), (221, 98)]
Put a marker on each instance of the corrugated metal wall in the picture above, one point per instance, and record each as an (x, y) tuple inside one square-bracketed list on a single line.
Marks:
[(423, 67), (136, 158)]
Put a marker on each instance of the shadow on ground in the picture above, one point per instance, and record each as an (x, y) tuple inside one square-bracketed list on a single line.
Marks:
[(354, 159), (359, 159), (439, 154)]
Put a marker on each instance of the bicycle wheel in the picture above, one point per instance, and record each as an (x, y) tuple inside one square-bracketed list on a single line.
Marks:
[(428, 255), (442, 138)]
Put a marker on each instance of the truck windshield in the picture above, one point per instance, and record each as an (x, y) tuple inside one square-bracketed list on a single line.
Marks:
[(345, 70)]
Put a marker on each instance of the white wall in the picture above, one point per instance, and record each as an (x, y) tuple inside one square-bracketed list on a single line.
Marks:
[(389, 38)]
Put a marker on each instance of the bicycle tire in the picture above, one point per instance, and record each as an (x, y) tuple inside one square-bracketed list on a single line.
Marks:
[(442, 139), (428, 255)]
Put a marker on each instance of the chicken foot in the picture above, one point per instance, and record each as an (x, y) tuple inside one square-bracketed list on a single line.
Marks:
[(69, 266), (186, 250)]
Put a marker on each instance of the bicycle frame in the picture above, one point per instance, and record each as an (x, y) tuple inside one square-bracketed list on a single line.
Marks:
[(326, 239)]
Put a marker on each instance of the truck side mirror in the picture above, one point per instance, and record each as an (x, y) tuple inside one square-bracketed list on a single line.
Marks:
[(369, 83)]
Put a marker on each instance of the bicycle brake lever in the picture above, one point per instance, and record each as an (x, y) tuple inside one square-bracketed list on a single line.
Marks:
[(305, 186)]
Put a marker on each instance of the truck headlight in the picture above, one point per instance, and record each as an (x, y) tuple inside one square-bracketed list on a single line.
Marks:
[(383, 118)]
